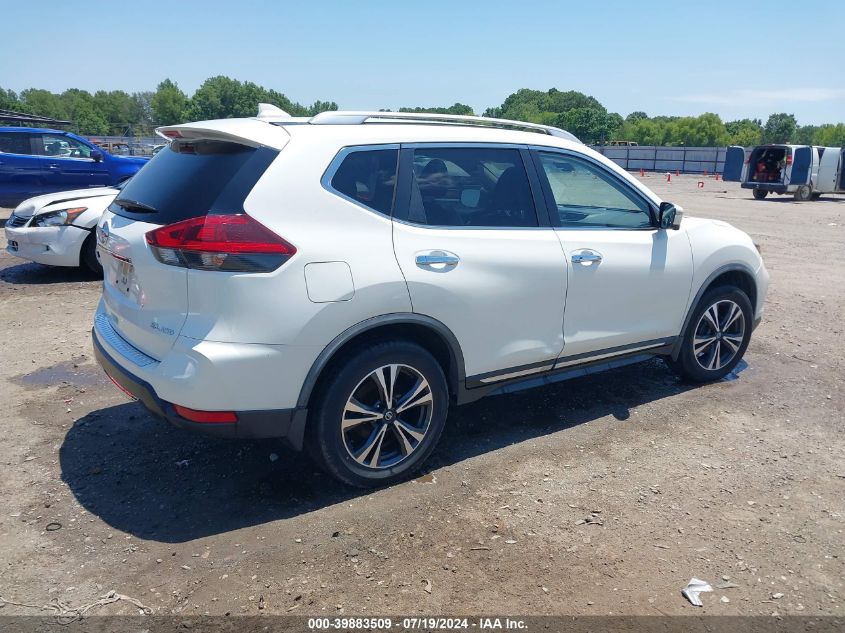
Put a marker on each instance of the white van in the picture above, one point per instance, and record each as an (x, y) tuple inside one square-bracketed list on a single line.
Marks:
[(805, 171)]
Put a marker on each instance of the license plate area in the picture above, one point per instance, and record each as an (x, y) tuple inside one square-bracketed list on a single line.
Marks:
[(121, 276)]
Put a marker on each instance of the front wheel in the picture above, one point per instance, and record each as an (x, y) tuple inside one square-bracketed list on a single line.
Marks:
[(803, 193), (380, 415), (716, 336), (760, 194)]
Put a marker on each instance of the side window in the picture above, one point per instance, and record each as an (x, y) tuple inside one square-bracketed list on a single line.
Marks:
[(61, 147), (586, 194), (369, 178), (472, 187), (15, 143)]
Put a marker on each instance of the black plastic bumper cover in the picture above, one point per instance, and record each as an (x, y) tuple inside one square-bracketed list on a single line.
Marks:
[(283, 423), (765, 186)]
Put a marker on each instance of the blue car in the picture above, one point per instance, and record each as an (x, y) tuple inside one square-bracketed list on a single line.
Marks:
[(35, 161)]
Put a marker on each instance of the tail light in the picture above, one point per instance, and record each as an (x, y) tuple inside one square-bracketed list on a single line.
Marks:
[(789, 159), (231, 243)]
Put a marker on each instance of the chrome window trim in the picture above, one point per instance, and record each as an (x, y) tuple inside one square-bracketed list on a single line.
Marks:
[(337, 161)]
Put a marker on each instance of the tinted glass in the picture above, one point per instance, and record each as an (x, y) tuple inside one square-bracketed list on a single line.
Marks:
[(15, 143), (369, 178), (188, 180), (588, 195), (60, 146), (473, 187)]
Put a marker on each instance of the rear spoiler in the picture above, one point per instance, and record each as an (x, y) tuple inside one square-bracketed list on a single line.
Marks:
[(251, 132)]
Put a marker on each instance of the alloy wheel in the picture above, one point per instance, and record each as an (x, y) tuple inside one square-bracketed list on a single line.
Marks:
[(718, 335), (387, 416)]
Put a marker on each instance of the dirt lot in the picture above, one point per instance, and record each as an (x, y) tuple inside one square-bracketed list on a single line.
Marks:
[(600, 495)]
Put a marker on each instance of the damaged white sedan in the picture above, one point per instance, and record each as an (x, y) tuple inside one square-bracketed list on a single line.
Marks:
[(57, 229)]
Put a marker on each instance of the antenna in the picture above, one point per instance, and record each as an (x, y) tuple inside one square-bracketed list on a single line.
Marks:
[(269, 111)]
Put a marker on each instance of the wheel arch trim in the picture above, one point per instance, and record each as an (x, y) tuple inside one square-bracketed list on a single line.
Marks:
[(374, 323), (727, 268)]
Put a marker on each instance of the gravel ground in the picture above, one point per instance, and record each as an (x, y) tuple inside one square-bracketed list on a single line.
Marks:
[(600, 495)]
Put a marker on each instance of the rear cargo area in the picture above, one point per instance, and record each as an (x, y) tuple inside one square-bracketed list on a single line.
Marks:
[(768, 165)]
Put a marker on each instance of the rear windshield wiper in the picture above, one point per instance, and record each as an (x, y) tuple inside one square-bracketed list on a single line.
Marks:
[(134, 205)]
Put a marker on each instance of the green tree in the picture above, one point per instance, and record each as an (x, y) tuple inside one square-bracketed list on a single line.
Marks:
[(116, 107), (806, 134), (9, 100), (636, 116), (142, 113), (456, 108), (745, 132), (780, 128), (168, 104), (829, 135), (83, 112), (44, 103), (320, 106)]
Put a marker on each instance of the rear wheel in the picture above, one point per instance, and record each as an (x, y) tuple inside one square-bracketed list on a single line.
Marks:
[(759, 194), (803, 193), (380, 416), (716, 336), (88, 256)]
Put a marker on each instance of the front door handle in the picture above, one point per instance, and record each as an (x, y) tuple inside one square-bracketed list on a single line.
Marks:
[(586, 257), (437, 258)]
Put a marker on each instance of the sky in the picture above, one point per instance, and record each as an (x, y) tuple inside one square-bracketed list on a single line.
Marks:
[(738, 59)]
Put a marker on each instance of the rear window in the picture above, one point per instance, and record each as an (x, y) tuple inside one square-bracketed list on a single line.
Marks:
[(187, 180), (15, 143)]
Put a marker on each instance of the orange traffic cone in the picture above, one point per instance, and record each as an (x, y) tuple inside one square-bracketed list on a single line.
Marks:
[(668, 177), (705, 173), (642, 172), (677, 172)]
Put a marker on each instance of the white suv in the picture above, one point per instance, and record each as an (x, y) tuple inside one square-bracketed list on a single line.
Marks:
[(339, 281)]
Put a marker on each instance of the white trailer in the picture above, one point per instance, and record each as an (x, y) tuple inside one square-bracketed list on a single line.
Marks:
[(805, 171)]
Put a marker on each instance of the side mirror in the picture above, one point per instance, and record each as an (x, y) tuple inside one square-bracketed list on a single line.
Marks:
[(97, 155), (669, 216)]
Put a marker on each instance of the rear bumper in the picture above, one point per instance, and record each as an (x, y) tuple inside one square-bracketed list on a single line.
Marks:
[(774, 187), (288, 424)]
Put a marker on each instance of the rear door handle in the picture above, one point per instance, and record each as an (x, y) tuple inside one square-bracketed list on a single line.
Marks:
[(586, 257), (437, 258)]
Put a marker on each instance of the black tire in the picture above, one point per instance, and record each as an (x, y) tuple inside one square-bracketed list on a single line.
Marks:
[(760, 194), (816, 195), (803, 193), (88, 256), (356, 375), (695, 367)]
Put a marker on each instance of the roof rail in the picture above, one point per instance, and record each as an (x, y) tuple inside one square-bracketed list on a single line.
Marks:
[(340, 117)]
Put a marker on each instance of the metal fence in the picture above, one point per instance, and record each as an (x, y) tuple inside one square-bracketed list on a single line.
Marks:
[(695, 160), (128, 145)]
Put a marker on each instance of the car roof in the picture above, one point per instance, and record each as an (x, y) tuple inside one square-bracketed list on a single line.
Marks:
[(36, 130), (277, 133)]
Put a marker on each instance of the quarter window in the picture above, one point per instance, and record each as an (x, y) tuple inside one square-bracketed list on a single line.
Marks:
[(369, 178), (588, 195), (471, 187)]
